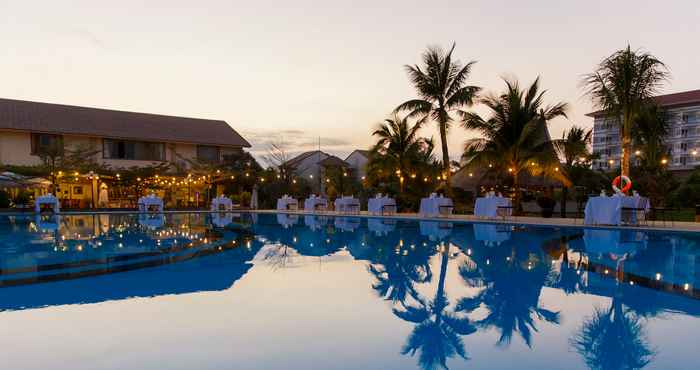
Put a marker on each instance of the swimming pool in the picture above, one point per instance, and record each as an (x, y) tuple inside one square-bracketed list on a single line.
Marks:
[(267, 291)]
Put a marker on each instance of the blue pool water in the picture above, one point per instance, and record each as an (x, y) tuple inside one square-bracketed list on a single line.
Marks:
[(264, 291)]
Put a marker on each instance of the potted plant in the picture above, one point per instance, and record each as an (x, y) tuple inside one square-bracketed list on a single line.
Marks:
[(546, 204)]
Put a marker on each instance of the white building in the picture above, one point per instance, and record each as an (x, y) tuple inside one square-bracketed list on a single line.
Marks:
[(358, 162), (683, 141), (312, 166)]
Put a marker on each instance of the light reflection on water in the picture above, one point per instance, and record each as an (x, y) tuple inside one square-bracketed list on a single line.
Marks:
[(282, 291)]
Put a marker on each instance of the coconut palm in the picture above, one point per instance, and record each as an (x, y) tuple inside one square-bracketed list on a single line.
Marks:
[(621, 86), (573, 149), (651, 128), (515, 136), (398, 145), (442, 94)]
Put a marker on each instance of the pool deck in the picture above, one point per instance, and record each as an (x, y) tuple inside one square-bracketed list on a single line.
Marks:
[(679, 226)]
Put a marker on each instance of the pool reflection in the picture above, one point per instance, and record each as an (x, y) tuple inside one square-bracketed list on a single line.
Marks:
[(501, 274)]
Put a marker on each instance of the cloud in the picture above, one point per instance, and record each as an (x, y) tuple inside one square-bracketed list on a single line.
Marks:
[(293, 142)]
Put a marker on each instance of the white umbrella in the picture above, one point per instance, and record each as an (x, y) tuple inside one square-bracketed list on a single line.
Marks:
[(254, 198)]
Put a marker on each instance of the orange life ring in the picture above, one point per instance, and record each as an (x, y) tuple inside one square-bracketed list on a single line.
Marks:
[(616, 184)]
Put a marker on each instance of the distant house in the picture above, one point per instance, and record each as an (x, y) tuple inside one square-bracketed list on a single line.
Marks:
[(312, 166), (358, 162), (121, 139)]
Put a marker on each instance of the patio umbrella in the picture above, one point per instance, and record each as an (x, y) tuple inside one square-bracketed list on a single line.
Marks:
[(254, 198)]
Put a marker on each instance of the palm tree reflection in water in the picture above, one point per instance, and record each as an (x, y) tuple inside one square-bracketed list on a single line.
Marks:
[(613, 339), (437, 332), (512, 276)]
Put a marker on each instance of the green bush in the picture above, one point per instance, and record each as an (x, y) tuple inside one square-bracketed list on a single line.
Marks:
[(4, 199)]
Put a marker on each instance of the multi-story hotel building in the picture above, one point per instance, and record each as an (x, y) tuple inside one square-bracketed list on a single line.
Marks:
[(683, 141)]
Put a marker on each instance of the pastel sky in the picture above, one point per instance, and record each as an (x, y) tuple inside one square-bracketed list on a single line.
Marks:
[(299, 70)]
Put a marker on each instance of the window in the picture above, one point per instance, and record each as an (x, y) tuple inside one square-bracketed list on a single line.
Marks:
[(136, 150), (47, 144), (684, 146), (208, 153)]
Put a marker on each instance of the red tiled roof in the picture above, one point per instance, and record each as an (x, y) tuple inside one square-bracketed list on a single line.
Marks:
[(23, 115), (680, 99)]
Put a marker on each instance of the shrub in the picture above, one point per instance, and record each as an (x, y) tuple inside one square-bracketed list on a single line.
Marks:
[(4, 199)]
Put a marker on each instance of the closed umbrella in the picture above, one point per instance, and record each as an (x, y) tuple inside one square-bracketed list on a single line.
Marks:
[(254, 198)]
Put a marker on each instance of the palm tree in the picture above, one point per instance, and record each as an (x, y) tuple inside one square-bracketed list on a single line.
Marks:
[(621, 86), (573, 149), (398, 145), (515, 136), (442, 93), (651, 128)]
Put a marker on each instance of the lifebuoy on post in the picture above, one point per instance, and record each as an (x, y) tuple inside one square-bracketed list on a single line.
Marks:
[(616, 184)]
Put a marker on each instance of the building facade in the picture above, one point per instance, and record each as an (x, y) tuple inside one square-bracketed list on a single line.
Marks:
[(117, 139), (683, 141), (358, 162)]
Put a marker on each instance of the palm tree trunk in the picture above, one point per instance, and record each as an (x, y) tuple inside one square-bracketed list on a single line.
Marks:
[(445, 159), (626, 147)]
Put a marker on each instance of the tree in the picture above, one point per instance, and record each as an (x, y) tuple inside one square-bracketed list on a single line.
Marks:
[(515, 136), (400, 156), (573, 149), (442, 93), (621, 86), (399, 146)]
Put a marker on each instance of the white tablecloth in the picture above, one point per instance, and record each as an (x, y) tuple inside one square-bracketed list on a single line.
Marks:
[(48, 199), (488, 206), (603, 210), (346, 204), (431, 206), (284, 203), (145, 203), (221, 202), (310, 203), (376, 205)]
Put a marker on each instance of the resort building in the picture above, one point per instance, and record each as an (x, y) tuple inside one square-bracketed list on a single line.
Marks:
[(358, 162), (683, 141), (314, 166), (119, 139), (33, 134)]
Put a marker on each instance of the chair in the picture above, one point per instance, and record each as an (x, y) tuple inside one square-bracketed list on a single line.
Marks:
[(635, 215), (320, 207), (445, 210), (353, 208), (504, 211), (389, 209)]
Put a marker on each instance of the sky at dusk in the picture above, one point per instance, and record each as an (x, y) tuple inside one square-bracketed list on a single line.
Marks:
[(294, 71)]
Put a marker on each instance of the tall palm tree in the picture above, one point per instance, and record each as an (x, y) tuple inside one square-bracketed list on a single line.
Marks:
[(573, 149), (515, 136), (442, 93), (620, 86)]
